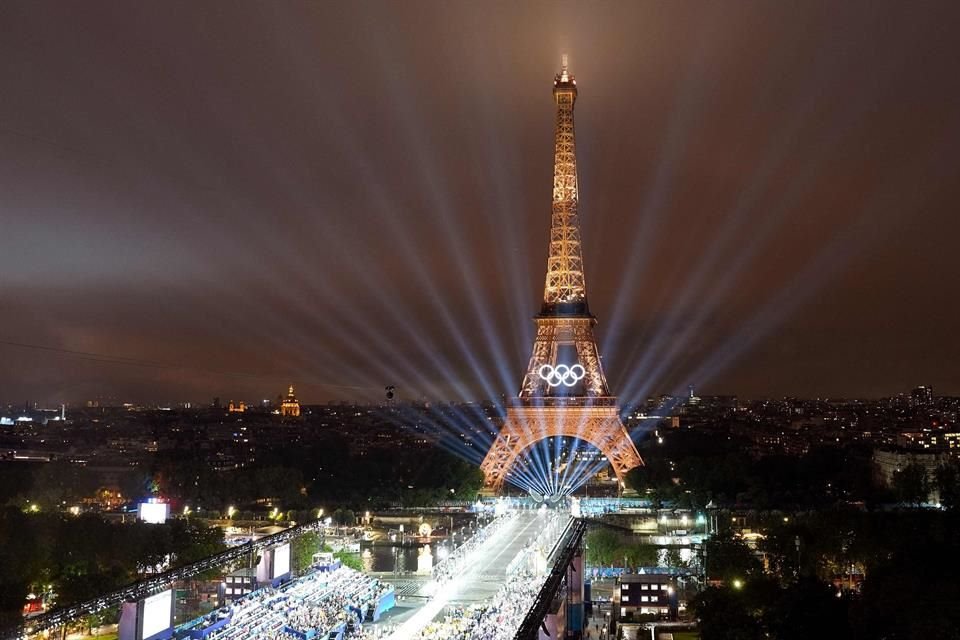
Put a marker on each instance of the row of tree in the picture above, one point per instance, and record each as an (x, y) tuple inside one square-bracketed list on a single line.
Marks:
[(913, 485), (327, 473), (80, 557), (606, 548), (692, 469), (298, 478), (907, 561)]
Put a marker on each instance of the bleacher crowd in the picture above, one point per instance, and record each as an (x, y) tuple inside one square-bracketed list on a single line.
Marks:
[(497, 619), (319, 605)]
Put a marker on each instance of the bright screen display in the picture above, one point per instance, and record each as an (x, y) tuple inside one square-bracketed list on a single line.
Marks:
[(153, 512), (156, 613), (281, 560)]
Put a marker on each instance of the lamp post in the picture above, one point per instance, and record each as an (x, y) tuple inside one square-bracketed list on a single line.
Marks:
[(796, 541), (396, 561)]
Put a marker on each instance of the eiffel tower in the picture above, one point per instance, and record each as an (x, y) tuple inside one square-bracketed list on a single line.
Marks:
[(564, 392)]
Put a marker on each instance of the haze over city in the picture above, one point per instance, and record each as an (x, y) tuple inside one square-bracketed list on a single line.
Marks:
[(208, 201)]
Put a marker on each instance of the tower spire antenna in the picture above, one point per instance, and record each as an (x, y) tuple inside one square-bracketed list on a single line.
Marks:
[(565, 284), (564, 392)]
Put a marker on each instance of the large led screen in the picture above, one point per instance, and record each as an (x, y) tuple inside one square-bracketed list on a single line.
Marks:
[(281, 560), (153, 512), (157, 610)]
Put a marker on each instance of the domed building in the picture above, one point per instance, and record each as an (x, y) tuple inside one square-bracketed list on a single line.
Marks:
[(290, 407)]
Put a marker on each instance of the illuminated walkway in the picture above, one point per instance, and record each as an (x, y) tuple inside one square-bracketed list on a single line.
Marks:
[(484, 574)]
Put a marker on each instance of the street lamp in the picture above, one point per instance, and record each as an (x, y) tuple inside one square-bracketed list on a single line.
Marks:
[(230, 511)]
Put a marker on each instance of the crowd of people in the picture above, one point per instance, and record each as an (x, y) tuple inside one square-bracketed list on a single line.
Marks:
[(497, 619), (311, 606), (337, 602), (347, 599)]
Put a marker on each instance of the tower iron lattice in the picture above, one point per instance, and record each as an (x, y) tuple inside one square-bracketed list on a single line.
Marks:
[(564, 392)]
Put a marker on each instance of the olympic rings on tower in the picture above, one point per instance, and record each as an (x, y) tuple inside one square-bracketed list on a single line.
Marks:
[(561, 374)]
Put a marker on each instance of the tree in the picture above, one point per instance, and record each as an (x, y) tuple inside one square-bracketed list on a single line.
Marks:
[(655, 477), (344, 518), (350, 560), (21, 562), (134, 484), (729, 558), (808, 609), (674, 560), (302, 549), (59, 482), (602, 545), (15, 482), (912, 591), (947, 482), (636, 555), (911, 484), (192, 542), (723, 615), (280, 484)]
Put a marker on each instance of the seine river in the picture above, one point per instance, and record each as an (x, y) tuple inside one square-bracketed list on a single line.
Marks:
[(387, 558)]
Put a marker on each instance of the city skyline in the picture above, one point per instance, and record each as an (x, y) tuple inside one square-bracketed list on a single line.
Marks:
[(363, 202)]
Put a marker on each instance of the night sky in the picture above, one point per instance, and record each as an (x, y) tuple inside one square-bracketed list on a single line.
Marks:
[(219, 199)]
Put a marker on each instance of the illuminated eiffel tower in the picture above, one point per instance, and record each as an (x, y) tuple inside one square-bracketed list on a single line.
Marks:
[(564, 392)]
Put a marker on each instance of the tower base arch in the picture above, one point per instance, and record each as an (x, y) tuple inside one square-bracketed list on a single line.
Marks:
[(593, 420)]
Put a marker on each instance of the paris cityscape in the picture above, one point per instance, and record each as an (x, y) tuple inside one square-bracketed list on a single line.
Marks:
[(449, 320)]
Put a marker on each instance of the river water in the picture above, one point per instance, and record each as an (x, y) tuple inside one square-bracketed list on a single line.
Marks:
[(389, 558)]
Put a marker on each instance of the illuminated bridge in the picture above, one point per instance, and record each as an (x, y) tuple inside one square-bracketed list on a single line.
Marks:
[(551, 599)]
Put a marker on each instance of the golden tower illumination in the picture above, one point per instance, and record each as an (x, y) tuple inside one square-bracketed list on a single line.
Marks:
[(564, 392)]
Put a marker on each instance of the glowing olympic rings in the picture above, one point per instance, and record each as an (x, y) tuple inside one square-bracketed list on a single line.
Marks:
[(561, 374)]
